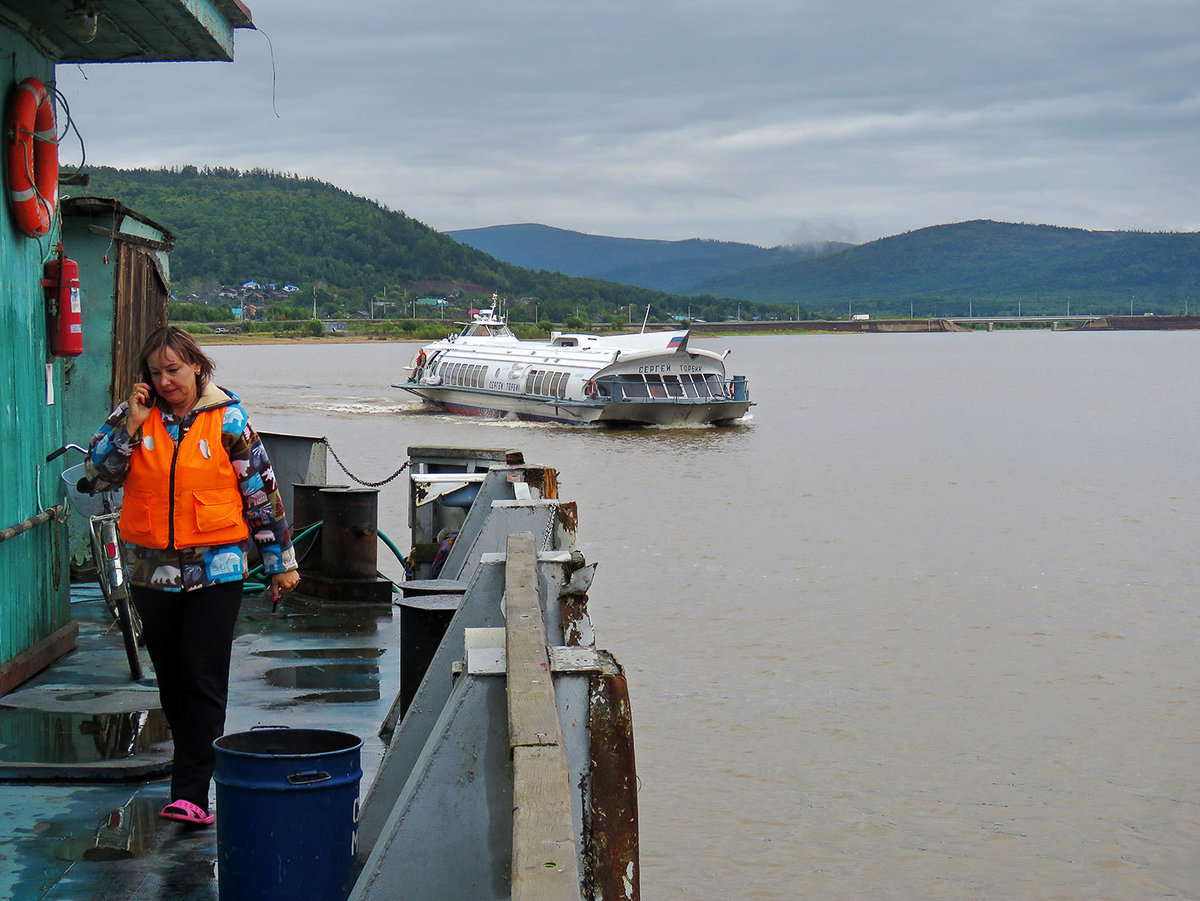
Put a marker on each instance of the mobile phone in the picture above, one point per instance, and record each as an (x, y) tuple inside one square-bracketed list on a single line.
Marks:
[(144, 377)]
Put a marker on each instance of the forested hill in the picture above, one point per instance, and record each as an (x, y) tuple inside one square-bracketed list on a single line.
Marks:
[(268, 227), (988, 268), (260, 226)]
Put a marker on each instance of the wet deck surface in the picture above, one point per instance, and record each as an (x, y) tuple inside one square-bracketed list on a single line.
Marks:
[(84, 752)]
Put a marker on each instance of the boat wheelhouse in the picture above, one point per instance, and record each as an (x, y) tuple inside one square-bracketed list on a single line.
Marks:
[(649, 378)]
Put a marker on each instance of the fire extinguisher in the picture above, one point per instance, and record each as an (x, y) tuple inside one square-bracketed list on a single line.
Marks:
[(60, 280)]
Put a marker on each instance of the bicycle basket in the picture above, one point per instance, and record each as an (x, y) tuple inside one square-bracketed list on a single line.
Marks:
[(88, 504)]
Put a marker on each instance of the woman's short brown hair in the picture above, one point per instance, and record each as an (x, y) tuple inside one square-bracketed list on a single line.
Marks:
[(184, 346)]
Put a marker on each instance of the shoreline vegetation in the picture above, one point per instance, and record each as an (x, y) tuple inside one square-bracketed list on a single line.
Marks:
[(305, 333)]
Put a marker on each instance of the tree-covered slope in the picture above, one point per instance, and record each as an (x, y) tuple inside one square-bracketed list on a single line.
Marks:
[(988, 267), (266, 227), (263, 226)]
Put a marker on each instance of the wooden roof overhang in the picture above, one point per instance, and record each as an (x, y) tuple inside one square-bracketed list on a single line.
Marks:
[(129, 30)]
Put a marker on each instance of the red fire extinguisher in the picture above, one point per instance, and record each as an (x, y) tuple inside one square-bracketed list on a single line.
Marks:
[(61, 281)]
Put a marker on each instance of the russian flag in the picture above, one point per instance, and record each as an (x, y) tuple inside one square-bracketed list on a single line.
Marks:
[(676, 340)]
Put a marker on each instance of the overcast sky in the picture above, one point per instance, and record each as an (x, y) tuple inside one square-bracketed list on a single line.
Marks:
[(764, 121)]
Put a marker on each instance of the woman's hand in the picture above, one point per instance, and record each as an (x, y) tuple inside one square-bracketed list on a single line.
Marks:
[(282, 583), (139, 406)]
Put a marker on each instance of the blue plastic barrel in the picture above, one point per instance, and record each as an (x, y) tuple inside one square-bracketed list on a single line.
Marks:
[(287, 814)]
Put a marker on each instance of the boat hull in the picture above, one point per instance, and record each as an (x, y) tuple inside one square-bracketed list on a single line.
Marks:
[(628, 412)]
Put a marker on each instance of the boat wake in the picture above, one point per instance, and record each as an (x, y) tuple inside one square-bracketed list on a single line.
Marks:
[(363, 408)]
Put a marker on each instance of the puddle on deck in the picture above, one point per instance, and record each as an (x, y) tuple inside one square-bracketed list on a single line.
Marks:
[(323, 653), (334, 682), (39, 736), (123, 833)]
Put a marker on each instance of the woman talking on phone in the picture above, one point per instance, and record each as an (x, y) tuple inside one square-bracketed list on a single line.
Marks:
[(197, 487)]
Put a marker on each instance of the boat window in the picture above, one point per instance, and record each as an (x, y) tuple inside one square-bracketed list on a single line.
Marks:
[(689, 386), (655, 384), (480, 371), (538, 377), (674, 389), (715, 386), (633, 385), (562, 384)]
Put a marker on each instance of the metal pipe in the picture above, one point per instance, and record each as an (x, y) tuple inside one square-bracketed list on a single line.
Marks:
[(33, 522)]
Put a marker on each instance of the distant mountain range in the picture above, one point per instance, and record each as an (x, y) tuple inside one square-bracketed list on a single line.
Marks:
[(986, 267), (343, 250), (679, 267)]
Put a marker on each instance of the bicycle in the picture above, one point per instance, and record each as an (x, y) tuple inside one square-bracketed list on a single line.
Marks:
[(108, 555)]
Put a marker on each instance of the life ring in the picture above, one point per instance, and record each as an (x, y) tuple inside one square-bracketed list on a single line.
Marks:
[(32, 158), (589, 388)]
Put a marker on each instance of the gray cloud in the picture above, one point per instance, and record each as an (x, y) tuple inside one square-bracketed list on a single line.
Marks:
[(755, 120)]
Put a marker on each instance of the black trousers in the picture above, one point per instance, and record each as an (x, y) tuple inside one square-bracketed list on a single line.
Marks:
[(189, 635)]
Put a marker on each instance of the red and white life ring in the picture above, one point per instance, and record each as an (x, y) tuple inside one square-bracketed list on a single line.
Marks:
[(589, 388), (32, 158)]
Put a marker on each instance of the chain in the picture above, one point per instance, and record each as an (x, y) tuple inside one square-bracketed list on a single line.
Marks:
[(548, 537), (339, 462)]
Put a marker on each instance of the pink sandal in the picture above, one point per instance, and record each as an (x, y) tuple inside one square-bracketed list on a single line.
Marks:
[(187, 812)]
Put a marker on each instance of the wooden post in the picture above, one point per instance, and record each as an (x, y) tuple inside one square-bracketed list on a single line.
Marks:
[(545, 864)]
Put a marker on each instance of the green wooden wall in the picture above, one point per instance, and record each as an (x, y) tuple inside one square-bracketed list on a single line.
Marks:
[(34, 580)]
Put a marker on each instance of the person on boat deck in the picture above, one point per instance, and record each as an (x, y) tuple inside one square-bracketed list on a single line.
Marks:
[(445, 544), (180, 430)]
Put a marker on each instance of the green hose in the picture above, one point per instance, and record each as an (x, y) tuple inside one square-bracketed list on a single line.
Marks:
[(252, 586)]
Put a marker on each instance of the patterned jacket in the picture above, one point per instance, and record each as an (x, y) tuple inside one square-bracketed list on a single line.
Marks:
[(186, 569)]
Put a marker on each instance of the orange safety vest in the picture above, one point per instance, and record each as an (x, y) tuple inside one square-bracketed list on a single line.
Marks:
[(183, 495)]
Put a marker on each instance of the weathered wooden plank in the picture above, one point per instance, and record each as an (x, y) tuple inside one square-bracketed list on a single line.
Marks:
[(532, 716), (545, 865)]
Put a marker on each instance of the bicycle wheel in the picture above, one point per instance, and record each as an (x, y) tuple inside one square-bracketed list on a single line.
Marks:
[(100, 561), (110, 567), (129, 634)]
